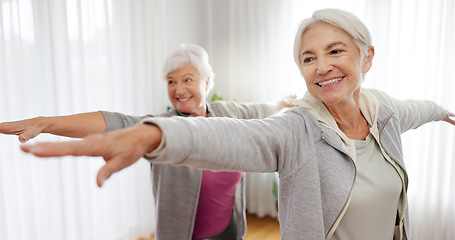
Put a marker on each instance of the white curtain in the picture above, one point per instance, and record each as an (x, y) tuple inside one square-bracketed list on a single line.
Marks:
[(64, 57), (414, 48)]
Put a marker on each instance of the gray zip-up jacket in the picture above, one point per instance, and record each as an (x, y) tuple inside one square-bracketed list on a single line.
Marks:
[(176, 188), (315, 169)]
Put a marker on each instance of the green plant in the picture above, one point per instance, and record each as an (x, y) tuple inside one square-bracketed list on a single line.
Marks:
[(216, 97), (275, 191)]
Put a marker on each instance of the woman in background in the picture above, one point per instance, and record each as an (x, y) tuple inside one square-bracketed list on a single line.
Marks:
[(190, 203)]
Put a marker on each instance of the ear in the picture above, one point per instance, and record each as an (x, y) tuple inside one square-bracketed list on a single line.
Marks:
[(207, 84), (368, 60)]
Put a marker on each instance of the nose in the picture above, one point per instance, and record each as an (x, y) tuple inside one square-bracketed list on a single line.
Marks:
[(179, 89), (323, 66)]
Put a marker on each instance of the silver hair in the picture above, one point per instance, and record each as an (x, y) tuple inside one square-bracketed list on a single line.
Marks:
[(196, 56), (338, 18)]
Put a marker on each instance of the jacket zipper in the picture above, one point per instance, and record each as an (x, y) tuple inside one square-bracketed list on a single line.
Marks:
[(348, 201)]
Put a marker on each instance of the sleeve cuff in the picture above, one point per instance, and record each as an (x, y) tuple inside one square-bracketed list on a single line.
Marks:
[(157, 151)]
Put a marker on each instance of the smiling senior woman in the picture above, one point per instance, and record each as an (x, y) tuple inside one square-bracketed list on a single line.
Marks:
[(190, 203), (338, 155)]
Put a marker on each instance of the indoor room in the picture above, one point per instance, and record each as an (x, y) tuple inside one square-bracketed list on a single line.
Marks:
[(59, 58)]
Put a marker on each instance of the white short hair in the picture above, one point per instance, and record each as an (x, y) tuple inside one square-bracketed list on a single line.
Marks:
[(338, 18), (196, 56)]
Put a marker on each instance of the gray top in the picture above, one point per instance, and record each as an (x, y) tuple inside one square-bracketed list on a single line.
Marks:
[(176, 188), (373, 208), (315, 168)]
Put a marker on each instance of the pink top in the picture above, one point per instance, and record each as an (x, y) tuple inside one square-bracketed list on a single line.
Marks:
[(216, 201)]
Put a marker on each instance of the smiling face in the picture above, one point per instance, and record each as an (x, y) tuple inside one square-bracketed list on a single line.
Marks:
[(187, 90), (332, 65)]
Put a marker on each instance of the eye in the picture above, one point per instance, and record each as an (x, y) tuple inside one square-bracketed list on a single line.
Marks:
[(308, 60), (188, 80), (169, 82), (336, 51)]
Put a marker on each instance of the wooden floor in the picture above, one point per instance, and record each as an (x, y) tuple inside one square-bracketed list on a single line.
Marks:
[(265, 228)]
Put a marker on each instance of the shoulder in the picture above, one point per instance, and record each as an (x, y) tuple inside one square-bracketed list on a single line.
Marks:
[(238, 110), (225, 105), (297, 118), (221, 104), (386, 103), (219, 108), (380, 95)]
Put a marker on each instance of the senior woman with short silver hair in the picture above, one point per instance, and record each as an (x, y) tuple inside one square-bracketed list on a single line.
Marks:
[(338, 154), (190, 203)]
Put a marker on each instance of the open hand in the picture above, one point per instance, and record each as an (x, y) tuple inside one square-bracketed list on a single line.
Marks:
[(25, 129), (119, 149), (288, 101), (450, 118)]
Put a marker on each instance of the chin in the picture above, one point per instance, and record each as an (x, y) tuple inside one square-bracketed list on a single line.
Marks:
[(184, 109), (330, 100)]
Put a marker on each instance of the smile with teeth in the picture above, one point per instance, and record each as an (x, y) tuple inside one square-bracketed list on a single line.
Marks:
[(332, 81), (183, 99)]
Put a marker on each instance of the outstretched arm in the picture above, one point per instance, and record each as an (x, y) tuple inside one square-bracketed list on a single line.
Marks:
[(77, 125), (218, 144), (413, 113), (120, 149)]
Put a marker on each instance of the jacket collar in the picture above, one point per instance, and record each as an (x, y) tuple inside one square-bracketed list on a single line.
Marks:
[(369, 106)]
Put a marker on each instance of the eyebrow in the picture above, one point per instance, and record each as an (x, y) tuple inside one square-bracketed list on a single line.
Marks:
[(329, 46), (184, 75)]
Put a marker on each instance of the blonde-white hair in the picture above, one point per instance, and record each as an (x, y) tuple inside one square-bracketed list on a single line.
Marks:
[(338, 18), (196, 56)]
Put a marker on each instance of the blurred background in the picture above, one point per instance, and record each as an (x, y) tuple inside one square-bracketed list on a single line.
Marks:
[(60, 57)]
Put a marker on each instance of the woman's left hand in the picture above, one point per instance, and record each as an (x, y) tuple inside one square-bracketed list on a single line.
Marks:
[(450, 118)]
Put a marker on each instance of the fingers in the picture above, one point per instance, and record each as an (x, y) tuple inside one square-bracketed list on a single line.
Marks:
[(112, 166), (7, 128), (450, 117), (119, 149), (48, 149), (23, 129), (22, 138), (2, 126), (290, 97), (293, 96), (103, 174), (57, 149), (75, 148), (289, 100)]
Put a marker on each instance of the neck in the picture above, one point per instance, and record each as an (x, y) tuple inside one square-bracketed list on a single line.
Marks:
[(200, 111), (350, 119)]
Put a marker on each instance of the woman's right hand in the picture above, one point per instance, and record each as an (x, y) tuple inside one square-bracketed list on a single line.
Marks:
[(119, 149), (25, 129)]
